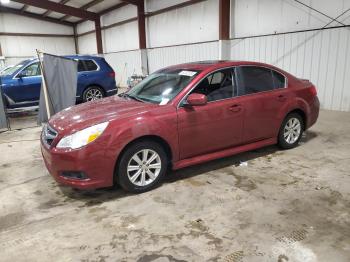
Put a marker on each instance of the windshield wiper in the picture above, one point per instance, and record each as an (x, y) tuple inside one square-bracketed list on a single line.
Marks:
[(132, 97)]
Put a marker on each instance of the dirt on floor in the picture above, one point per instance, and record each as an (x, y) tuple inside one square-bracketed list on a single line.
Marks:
[(263, 205)]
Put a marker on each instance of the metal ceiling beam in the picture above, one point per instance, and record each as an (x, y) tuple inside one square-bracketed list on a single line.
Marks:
[(109, 9), (84, 7), (49, 11), (60, 8), (32, 15), (24, 8), (133, 2)]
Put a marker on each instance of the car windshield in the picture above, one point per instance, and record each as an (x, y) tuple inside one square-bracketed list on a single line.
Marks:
[(162, 86), (12, 69)]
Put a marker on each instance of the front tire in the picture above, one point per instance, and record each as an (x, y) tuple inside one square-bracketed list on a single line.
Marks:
[(291, 131), (142, 167), (93, 93)]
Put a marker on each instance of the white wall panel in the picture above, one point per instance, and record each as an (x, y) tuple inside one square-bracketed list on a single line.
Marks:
[(118, 15), (18, 48), (258, 17), (322, 56), (123, 37), (124, 64), (85, 27), (162, 57), (195, 23), (154, 5), (87, 44), (21, 24)]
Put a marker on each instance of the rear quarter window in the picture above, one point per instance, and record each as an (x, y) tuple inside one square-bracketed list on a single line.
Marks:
[(279, 80), (90, 65), (87, 65)]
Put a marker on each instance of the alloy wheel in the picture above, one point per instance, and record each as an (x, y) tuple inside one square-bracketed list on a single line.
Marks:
[(144, 167), (292, 130), (93, 94)]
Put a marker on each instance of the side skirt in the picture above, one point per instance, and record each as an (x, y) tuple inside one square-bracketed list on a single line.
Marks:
[(224, 153)]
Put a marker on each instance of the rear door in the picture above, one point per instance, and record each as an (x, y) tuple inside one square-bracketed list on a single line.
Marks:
[(262, 93), (216, 125), (88, 74)]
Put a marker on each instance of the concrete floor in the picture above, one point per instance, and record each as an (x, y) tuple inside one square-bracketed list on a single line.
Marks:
[(282, 206)]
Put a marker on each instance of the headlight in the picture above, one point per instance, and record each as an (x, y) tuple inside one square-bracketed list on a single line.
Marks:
[(82, 137)]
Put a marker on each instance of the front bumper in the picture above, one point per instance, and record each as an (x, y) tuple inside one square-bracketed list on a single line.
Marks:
[(90, 160)]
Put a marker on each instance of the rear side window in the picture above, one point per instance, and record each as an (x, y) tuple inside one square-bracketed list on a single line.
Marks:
[(81, 66), (254, 79), (86, 65), (279, 80), (90, 65)]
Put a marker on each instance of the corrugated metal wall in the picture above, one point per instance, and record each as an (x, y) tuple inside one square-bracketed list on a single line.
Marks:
[(17, 48), (322, 56), (124, 64), (165, 56)]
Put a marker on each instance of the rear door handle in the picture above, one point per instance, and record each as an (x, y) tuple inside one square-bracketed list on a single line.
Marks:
[(235, 108), (281, 98)]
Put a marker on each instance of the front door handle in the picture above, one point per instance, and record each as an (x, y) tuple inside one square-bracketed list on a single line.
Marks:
[(235, 108)]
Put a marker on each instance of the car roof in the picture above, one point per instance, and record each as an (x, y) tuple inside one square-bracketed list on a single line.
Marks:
[(216, 64), (83, 57)]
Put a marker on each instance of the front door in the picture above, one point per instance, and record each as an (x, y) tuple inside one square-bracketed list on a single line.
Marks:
[(216, 125), (28, 84)]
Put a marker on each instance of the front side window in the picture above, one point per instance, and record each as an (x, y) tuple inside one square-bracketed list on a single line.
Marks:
[(217, 86), (32, 70), (254, 79), (162, 86)]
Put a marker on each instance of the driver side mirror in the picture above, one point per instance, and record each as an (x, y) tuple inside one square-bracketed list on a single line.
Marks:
[(196, 99)]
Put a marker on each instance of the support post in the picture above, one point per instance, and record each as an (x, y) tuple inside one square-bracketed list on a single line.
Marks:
[(76, 40), (98, 36), (224, 29), (142, 37)]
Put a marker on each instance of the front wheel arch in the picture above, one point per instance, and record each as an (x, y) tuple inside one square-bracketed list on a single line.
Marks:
[(152, 138)]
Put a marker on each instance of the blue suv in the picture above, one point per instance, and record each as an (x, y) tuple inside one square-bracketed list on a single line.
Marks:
[(21, 84)]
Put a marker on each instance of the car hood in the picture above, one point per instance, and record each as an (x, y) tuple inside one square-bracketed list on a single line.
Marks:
[(88, 114)]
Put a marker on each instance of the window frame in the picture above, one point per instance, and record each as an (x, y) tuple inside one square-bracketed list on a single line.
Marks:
[(85, 67), (234, 74), (272, 70), (24, 68)]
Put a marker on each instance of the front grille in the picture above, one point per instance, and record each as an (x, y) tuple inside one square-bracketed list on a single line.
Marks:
[(48, 134)]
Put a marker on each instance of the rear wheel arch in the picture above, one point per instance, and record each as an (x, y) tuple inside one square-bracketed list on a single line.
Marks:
[(91, 86), (299, 112)]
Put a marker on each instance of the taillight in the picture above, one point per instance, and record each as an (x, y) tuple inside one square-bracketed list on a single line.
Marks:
[(111, 74), (313, 91)]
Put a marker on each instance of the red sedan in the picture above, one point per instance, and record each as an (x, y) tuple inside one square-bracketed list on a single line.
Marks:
[(178, 116)]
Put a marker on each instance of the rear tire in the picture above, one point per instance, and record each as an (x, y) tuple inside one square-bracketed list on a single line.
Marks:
[(93, 93), (291, 131), (142, 167)]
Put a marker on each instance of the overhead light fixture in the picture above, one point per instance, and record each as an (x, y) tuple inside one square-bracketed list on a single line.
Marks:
[(5, 2)]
